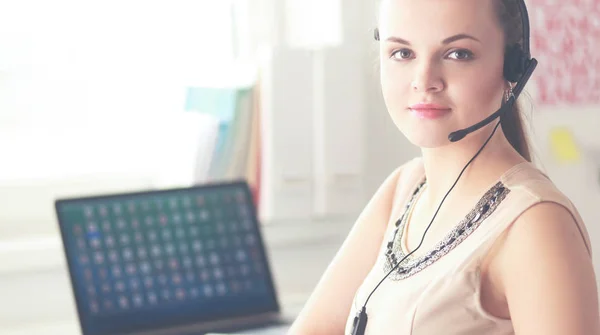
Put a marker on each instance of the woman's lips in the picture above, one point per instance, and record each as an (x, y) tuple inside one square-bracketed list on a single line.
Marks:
[(429, 111)]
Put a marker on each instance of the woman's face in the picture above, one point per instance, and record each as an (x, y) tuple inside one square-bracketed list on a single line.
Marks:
[(441, 65)]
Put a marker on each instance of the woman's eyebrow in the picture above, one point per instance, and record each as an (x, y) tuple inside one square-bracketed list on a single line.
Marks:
[(398, 40), (445, 41), (459, 37)]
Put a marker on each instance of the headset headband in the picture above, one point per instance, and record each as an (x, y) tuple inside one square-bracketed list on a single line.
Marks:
[(523, 12)]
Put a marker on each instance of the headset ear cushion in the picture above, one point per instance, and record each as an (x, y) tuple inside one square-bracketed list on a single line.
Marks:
[(514, 63)]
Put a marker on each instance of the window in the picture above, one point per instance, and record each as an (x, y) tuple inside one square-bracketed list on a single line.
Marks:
[(71, 58), (92, 91)]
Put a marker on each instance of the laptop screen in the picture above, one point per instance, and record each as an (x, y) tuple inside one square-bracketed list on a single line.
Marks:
[(165, 258)]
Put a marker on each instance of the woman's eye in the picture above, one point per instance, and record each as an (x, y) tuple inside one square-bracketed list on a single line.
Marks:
[(402, 54), (461, 54)]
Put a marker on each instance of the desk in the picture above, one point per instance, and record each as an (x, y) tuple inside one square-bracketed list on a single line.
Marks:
[(58, 328), (72, 327)]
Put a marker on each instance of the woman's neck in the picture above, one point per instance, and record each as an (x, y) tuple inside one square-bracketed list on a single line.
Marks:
[(444, 164)]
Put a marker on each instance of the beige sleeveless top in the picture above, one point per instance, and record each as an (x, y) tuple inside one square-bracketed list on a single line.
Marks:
[(439, 292)]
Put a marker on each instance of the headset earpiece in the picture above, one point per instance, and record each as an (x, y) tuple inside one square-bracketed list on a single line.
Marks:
[(515, 63), (376, 34)]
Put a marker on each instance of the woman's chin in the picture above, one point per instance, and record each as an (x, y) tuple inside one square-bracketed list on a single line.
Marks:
[(426, 140), (424, 133)]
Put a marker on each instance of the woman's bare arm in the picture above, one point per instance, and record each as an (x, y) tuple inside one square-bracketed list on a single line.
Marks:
[(328, 307), (547, 275)]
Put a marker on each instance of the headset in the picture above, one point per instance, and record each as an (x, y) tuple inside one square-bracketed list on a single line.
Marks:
[(518, 68)]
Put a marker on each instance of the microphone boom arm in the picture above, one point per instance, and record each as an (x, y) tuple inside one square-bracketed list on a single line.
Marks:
[(460, 134)]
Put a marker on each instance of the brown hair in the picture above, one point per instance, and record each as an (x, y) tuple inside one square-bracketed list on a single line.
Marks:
[(510, 20)]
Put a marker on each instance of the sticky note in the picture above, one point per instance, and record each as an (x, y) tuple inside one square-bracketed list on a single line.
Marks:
[(563, 145)]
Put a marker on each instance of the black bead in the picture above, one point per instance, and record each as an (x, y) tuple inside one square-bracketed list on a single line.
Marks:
[(485, 208)]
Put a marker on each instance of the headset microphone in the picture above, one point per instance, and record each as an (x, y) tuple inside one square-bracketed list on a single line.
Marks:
[(460, 134)]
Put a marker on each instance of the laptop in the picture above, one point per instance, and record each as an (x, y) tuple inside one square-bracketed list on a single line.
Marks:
[(176, 262)]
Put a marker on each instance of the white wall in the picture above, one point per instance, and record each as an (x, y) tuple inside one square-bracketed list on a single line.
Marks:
[(314, 125)]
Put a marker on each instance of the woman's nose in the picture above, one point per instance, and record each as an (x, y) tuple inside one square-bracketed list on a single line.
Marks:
[(427, 79)]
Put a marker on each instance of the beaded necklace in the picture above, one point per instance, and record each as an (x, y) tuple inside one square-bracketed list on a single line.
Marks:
[(394, 251)]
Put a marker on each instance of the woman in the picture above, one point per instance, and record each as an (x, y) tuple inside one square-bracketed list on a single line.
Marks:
[(513, 255)]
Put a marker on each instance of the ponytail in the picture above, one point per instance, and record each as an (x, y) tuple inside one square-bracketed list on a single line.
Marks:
[(512, 126)]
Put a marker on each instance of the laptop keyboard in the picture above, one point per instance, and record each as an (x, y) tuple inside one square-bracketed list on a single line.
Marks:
[(144, 260), (152, 253)]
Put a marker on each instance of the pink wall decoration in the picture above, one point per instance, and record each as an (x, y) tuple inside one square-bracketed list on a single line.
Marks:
[(565, 38)]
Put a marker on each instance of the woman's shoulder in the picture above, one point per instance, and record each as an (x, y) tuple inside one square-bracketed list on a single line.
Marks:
[(391, 189), (543, 205), (529, 182), (410, 170), (401, 181), (548, 242), (546, 239)]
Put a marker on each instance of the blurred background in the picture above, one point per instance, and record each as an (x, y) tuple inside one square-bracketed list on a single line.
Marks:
[(110, 96)]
